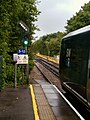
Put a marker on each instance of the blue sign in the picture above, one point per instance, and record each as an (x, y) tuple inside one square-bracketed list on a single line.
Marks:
[(21, 51)]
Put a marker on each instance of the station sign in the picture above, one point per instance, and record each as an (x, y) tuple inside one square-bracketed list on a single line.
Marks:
[(22, 59), (21, 51)]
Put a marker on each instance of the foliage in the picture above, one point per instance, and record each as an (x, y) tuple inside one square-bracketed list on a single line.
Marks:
[(11, 13), (81, 19), (49, 44)]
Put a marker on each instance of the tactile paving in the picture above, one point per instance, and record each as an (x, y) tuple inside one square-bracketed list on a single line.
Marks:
[(44, 109)]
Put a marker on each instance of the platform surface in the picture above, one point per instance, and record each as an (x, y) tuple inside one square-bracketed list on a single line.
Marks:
[(51, 106), (16, 104)]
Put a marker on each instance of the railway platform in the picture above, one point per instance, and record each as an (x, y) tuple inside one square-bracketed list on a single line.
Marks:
[(50, 105), (39, 101)]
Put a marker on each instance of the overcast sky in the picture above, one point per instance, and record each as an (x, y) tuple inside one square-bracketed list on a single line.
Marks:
[(55, 13)]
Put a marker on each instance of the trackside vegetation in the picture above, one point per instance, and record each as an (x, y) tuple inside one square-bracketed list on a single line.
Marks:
[(11, 13), (49, 44)]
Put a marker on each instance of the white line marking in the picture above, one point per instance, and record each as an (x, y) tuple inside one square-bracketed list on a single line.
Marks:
[(78, 114)]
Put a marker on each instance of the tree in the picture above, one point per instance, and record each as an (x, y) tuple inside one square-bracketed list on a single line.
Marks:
[(11, 12), (48, 44), (81, 19)]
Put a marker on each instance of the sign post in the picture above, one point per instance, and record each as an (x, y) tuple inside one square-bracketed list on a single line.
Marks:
[(27, 68), (15, 75), (25, 42), (15, 69), (23, 59)]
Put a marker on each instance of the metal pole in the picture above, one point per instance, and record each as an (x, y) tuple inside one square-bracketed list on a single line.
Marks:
[(15, 75), (27, 68)]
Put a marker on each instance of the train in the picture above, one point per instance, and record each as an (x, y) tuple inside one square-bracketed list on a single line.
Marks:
[(74, 67)]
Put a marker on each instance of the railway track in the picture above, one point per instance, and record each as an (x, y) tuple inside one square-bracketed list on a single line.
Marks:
[(51, 73), (52, 78), (51, 66)]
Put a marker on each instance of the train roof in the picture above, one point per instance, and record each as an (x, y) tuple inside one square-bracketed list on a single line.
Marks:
[(79, 31)]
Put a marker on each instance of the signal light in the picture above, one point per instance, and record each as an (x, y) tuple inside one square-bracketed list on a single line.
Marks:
[(25, 40)]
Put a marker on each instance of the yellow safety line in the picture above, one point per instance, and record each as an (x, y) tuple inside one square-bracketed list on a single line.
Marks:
[(48, 57), (34, 104)]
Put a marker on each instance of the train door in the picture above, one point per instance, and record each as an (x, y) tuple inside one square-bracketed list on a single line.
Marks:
[(78, 73), (65, 62)]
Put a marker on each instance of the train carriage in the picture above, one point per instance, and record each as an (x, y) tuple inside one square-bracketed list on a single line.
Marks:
[(74, 65)]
